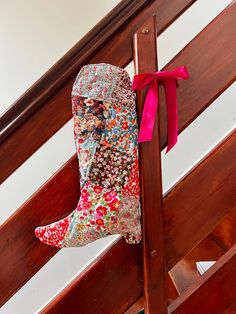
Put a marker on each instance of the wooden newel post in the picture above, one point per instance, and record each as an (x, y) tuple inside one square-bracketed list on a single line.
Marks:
[(145, 58)]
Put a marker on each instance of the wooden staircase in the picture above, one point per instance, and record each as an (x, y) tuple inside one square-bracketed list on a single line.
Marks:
[(203, 201)]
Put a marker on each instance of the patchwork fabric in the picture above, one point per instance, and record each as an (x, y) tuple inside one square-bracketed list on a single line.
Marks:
[(105, 134), (111, 168), (120, 132)]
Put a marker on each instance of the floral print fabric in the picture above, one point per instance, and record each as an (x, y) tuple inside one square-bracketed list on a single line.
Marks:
[(105, 134), (111, 168)]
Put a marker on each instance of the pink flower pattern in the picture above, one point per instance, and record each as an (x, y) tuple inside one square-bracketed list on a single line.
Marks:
[(105, 134)]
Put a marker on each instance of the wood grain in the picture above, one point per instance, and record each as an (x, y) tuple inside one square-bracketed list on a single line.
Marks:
[(171, 292), (62, 71), (154, 255), (214, 292), (18, 244), (95, 292), (185, 272), (46, 106), (22, 254), (200, 201), (225, 232), (136, 307), (215, 175), (215, 197)]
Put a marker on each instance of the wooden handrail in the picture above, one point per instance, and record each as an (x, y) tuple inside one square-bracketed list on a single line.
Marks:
[(41, 208), (46, 106), (53, 79), (211, 71), (17, 239), (218, 158), (214, 208)]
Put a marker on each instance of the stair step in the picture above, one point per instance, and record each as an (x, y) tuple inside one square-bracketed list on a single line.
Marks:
[(202, 267), (172, 294), (225, 231), (185, 273)]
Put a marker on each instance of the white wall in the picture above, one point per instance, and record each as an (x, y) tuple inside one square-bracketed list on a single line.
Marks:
[(35, 34), (212, 126)]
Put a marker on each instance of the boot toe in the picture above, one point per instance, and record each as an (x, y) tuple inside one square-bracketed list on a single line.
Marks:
[(52, 234)]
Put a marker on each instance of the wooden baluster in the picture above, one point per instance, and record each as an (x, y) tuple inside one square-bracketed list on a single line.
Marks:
[(145, 58)]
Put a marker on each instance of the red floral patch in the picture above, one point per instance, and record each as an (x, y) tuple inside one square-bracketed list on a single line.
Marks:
[(114, 205), (108, 197), (86, 205), (125, 125), (97, 189), (84, 193), (100, 222), (101, 210)]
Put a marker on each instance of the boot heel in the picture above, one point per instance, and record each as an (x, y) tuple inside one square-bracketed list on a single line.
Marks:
[(134, 236)]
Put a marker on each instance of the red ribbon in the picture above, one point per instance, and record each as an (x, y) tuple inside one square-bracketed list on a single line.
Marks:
[(169, 79)]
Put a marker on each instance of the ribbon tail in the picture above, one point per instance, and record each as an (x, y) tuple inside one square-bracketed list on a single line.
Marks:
[(172, 112), (149, 114)]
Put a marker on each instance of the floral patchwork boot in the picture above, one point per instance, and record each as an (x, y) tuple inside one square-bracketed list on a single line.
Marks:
[(105, 133)]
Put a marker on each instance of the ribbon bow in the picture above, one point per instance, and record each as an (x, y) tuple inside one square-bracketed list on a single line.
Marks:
[(168, 78)]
